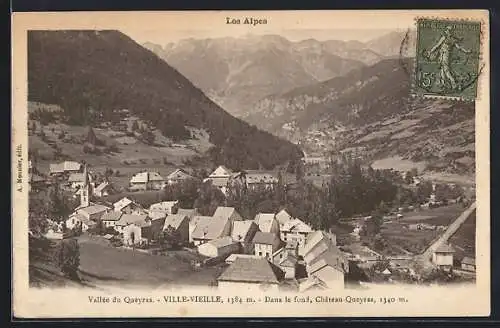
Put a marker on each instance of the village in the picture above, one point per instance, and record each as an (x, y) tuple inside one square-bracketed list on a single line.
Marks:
[(270, 251)]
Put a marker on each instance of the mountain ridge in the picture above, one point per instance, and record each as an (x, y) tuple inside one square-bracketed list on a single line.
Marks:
[(272, 65), (104, 71)]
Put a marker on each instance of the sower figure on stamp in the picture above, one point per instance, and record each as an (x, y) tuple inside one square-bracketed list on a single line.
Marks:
[(443, 48)]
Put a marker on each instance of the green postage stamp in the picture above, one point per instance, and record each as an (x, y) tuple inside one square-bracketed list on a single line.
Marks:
[(447, 58)]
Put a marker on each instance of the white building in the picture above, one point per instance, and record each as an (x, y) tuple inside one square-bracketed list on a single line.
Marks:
[(443, 256), (147, 181), (247, 274), (266, 244), (219, 247)]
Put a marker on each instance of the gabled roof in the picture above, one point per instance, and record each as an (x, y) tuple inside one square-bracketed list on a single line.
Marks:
[(77, 216), (163, 206), (122, 203), (327, 274), (174, 220), (211, 228), (289, 261), (144, 177), (266, 238), (127, 219), (283, 217), (82, 218), (241, 229), (445, 248), (76, 177), (224, 212), (112, 216), (155, 176), (469, 260), (179, 174), (221, 171), (157, 214), (252, 270), (266, 221), (222, 242), (314, 239), (93, 209), (296, 225), (102, 186), (311, 282), (56, 168), (328, 258)]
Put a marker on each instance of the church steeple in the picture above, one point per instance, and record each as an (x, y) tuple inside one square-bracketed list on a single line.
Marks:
[(85, 193)]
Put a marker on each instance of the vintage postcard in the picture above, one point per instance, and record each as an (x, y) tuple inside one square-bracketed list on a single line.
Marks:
[(251, 164)]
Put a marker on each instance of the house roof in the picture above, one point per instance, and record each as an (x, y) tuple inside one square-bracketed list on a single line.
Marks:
[(102, 186), (209, 228), (56, 168), (241, 229), (328, 258), (289, 260), (127, 219), (314, 239), (222, 242), (157, 214), (76, 177), (93, 209), (77, 216), (112, 216), (190, 212), (83, 219), (179, 174), (311, 282), (221, 171), (445, 248), (144, 177), (163, 206), (326, 274), (469, 260), (122, 203), (252, 270), (71, 166), (224, 212), (283, 217), (233, 257), (265, 221), (266, 238), (296, 225), (174, 220)]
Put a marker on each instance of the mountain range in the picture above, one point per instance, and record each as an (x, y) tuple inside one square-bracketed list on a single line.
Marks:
[(93, 71), (372, 108), (237, 72)]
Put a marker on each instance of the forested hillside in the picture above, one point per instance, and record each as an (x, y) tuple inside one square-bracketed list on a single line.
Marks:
[(93, 75)]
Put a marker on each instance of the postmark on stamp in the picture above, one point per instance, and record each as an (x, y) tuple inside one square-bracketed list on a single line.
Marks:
[(447, 58)]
